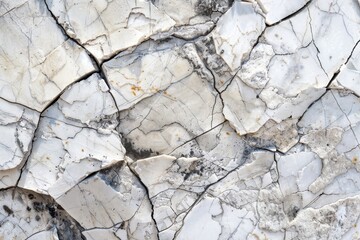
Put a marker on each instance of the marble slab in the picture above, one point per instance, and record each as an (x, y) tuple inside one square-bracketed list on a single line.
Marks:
[(179, 120), (38, 61)]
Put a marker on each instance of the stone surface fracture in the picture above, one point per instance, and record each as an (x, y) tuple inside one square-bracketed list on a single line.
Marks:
[(174, 119)]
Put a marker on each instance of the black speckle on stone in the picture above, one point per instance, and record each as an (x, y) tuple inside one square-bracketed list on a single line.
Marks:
[(204, 7), (122, 225), (43, 207), (111, 177), (247, 151), (329, 217), (52, 210), (207, 7), (38, 206), (293, 212), (68, 228), (136, 153), (8, 210), (59, 207), (187, 175), (191, 153)]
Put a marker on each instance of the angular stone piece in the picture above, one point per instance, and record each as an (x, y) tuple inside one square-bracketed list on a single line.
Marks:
[(301, 65), (37, 61), (110, 198), (276, 10), (242, 23), (161, 123), (348, 77), (132, 77), (69, 145), (17, 127), (28, 215), (106, 28), (179, 120)]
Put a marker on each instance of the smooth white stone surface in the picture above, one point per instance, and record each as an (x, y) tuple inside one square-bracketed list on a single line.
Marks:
[(242, 23), (348, 77), (276, 10)]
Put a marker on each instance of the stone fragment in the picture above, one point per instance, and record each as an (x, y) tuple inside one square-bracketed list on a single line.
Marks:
[(113, 199), (107, 28), (75, 137), (37, 61), (28, 215)]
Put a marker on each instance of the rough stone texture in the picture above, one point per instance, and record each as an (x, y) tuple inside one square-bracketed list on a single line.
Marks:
[(173, 119)]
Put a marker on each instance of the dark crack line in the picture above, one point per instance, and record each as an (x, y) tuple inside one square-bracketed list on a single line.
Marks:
[(313, 41), (49, 200), (245, 61), (194, 138), (329, 84), (44, 230), (148, 196), (19, 104), (91, 56), (206, 189), (291, 15), (27, 157), (93, 59), (56, 98)]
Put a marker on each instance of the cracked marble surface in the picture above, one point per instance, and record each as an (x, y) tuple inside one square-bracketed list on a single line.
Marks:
[(171, 119)]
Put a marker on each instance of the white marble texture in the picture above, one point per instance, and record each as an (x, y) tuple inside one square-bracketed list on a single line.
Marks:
[(242, 23), (106, 28), (108, 199), (277, 10), (132, 77), (27, 215), (179, 120), (17, 125), (70, 145), (348, 77), (37, 60), (191, 107)]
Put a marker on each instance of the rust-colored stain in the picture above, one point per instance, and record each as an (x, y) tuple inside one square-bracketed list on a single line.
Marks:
[(135, 89)]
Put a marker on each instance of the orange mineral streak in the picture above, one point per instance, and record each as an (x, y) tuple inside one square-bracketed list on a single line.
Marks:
[(135, 89)]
